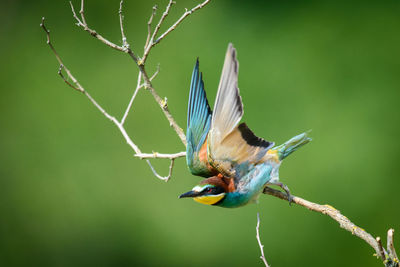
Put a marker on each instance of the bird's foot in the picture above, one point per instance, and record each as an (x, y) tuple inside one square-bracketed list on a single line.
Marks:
[(286, 189)]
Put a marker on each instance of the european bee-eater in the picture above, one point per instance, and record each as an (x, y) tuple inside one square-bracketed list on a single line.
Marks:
[(238, 164)]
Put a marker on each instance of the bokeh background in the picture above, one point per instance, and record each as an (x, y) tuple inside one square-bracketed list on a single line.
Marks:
[(72, 194)]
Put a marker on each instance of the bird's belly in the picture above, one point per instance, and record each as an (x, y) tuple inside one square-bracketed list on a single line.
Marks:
[(249, 187)]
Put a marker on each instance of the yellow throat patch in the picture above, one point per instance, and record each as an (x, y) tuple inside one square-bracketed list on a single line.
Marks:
[(209, 200)]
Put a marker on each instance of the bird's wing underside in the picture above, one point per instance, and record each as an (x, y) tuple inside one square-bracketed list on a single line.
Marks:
[(232, 148), (198, 125)]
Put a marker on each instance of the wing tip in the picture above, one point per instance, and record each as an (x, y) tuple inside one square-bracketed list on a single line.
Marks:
[(199, 110), (228, 95), (233, 54)]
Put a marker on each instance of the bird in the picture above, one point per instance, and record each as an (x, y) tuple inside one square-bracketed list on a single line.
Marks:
[(236, 163)]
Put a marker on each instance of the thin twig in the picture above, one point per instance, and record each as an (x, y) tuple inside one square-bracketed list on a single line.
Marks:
[(157, 155), (121, 23), (127, 138), (156, 72), (153, 41), (187, 13), (138, 86), (164, 178), (79, 22), (108, 116), (78, 86), (153, 13), (164, 15), (65, 80), (262, 257), (150, 44), (82, 23), (82, 12), (164, 107)]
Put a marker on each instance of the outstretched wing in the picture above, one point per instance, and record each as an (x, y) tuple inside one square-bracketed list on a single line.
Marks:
[(198, 125), (232, 148)]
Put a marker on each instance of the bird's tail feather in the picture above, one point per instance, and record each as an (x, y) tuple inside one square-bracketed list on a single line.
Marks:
[(292, 145)]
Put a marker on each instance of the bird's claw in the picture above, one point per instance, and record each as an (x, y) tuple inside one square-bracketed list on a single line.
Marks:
[(290, 198), (287, 191)]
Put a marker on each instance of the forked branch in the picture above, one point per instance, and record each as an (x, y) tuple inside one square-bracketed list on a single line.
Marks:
[(140, 62), (126, 48), (152, 41)]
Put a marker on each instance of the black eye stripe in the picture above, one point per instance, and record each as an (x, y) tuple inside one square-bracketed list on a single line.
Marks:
[(214, 190), (208, 190)]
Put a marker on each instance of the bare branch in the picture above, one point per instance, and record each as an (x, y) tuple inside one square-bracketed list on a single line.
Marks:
[(62, 66), (77, 86), (156, 72), (162, 103), (187, 13), (343, 221), (82, 12), (92, 32), (141, 64), (138, 86), (154, 41), (121, 23), (138, 152), (335, 214), (164, 107), (157, 155), (153, 13), (65, 80), (108, 116), (164, 15), (150, 44), (259, 241), (164, 178), (79, 22)]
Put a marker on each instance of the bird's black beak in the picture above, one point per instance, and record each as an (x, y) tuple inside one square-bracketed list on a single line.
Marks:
[(190, 194)]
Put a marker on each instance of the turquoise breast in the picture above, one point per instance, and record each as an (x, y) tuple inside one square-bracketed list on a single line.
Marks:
[(248, 187)]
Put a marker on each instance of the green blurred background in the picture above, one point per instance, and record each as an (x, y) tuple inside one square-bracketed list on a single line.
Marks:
[(72, 194)]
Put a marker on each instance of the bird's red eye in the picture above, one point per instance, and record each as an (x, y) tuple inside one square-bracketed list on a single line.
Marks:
[(209, 190)]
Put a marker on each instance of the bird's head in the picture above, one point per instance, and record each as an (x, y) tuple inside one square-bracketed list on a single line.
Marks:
[(209, 191)]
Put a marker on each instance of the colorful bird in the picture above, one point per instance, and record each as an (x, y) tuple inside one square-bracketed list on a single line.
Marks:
[(238, 165)]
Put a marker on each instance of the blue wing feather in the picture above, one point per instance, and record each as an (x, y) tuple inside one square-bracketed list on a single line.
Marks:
[(198, 124)]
